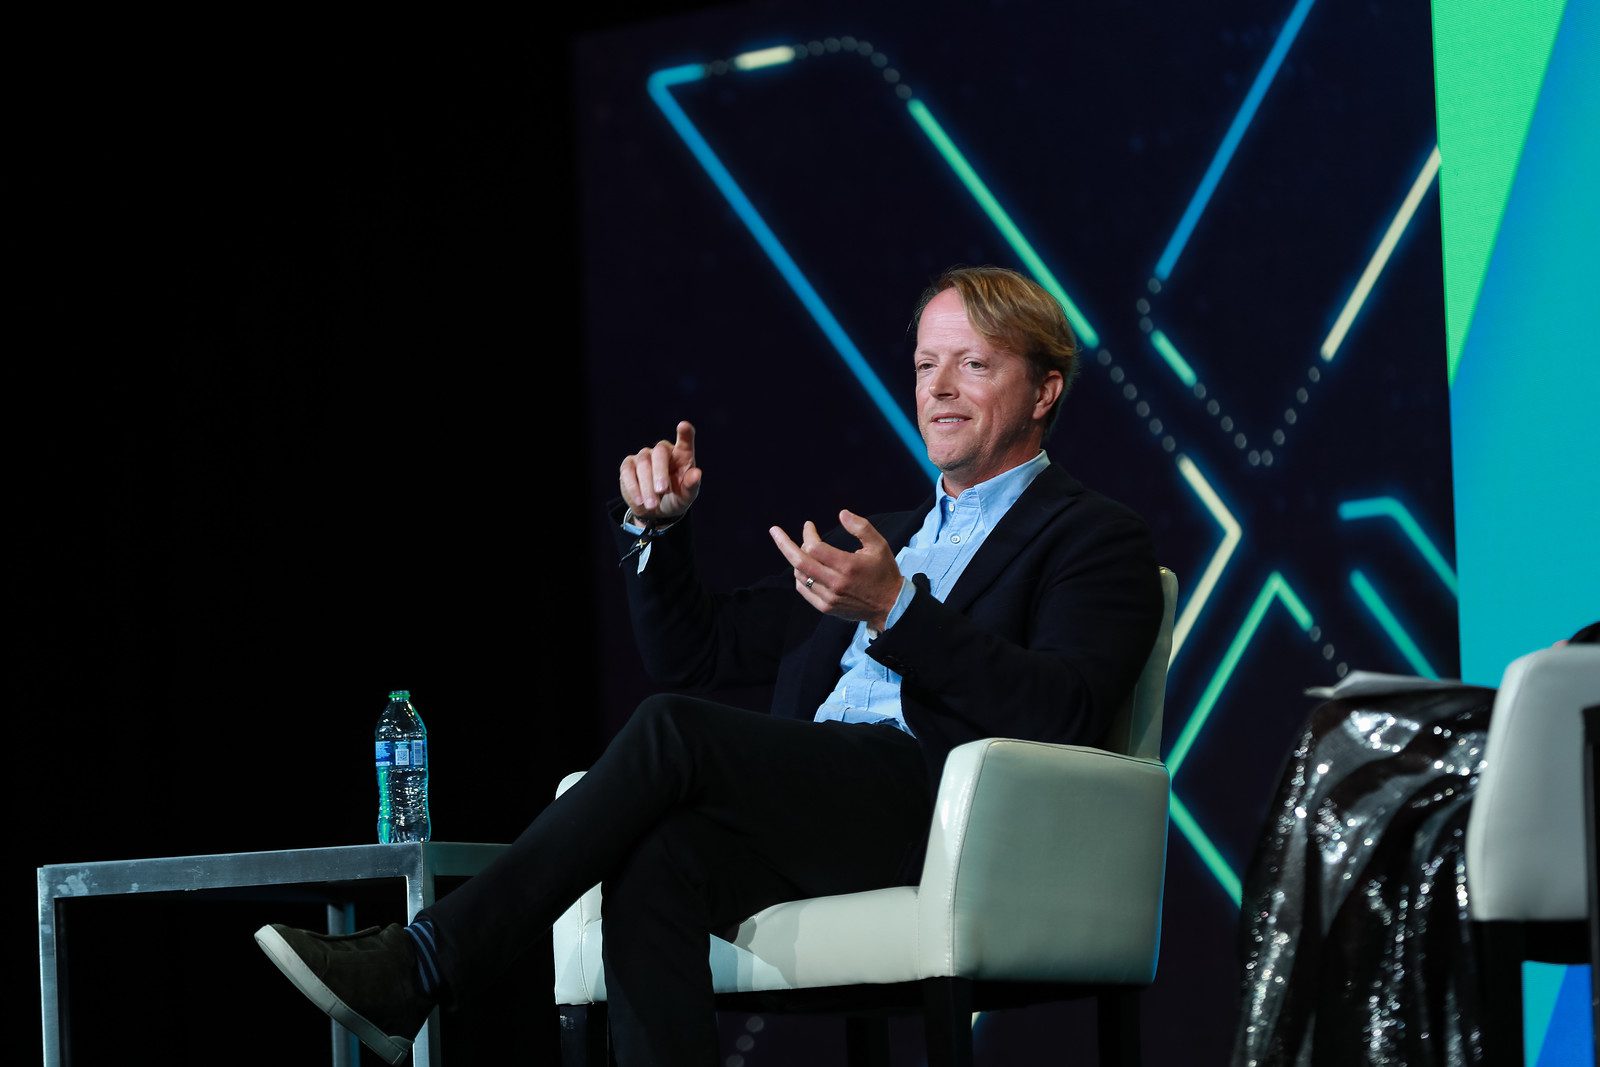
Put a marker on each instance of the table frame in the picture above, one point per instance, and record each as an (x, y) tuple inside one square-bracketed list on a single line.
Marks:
[(419, 864)]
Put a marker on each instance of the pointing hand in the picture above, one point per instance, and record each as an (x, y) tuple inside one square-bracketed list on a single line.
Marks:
[(661, 482)]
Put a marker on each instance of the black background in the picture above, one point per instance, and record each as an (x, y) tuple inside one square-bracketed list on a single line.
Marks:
[(293, 416)]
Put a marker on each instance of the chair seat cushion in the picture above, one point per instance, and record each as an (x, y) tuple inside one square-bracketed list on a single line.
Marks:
[(851, 939)]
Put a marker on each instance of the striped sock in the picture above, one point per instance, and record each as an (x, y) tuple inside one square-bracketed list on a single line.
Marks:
[(421, 933)]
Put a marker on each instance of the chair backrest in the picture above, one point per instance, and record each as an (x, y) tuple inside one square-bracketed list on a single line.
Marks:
[(1136, 728), (1526, 857)]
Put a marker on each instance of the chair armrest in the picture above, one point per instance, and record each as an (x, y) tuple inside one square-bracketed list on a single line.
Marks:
[(1045, 863)]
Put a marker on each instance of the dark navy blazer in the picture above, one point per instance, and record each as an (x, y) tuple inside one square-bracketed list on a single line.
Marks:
[(1042, 637)]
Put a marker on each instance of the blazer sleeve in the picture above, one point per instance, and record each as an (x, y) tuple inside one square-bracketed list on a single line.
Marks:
[(1049, 654), (693, 639)]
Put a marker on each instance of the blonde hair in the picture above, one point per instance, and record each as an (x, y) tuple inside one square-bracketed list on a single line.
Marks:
[(1015, 313)]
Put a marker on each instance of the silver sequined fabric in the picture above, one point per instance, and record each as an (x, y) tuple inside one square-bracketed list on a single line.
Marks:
[(1355, 939)]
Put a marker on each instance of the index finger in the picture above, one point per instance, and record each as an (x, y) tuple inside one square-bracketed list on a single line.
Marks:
[(862, 529), (685, 436), (793, 553), (802, 561)]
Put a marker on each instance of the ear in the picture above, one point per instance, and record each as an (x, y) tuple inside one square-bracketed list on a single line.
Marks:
[(1050, 387)]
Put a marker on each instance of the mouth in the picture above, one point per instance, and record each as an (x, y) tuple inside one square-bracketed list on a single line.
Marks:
[(948, 420)]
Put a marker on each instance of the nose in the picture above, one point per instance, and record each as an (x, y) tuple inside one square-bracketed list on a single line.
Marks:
[(942, 381)]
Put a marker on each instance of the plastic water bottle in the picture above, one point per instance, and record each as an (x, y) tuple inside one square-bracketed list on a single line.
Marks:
[(402, 754)]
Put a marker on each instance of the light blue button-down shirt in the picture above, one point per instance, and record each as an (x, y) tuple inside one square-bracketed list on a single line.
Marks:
[(950, 536)]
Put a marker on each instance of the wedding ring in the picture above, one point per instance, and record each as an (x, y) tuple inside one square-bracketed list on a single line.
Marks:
[(810, 582)]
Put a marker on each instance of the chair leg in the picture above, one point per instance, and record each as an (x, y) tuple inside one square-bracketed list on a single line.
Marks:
[(1117, 1016), (947, 1020), (584, 1040), (1501, 950), (1591, 834), (866, 1040)]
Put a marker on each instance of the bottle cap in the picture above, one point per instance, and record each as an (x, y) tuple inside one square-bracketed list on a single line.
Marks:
[(400, 694)]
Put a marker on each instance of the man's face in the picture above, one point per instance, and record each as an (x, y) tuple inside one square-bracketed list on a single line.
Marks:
[(978, 407)]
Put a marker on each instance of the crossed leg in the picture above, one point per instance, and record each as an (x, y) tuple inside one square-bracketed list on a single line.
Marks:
[(696, 816)]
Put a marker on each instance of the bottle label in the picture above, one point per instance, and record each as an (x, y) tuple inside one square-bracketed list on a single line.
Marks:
[(412, 753)]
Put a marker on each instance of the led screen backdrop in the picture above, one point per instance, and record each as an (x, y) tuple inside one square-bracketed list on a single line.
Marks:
[(1239, 212)]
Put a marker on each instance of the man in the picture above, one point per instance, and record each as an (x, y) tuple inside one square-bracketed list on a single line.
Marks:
[(1015, 603)]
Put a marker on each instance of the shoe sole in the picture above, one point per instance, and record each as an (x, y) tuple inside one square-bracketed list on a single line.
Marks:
[(392, 1049)]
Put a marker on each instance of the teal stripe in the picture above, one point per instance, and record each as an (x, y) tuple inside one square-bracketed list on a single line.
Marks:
[(1391, 625), (1208, 853), (1389, 507), (1169, 352), (1002, 221), (1274, 587), (1230, 140)]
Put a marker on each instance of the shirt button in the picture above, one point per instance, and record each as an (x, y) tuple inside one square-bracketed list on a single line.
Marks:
[(955, 539)]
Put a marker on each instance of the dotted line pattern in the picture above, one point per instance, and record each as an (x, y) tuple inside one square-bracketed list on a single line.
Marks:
[(1328, 651), (1291, 415), (829, 46), (1130, 393), (745, 1042)]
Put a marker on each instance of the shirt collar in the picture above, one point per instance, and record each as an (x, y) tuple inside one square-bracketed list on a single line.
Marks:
[(994, 497)]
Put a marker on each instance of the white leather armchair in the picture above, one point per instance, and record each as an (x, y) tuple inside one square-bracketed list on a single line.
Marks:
[(1529, 874), (1043, 881)]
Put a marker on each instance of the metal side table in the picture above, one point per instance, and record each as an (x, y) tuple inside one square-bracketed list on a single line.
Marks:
[(321, 869)]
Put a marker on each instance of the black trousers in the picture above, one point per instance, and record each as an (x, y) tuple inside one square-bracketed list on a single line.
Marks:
[(696, 816)]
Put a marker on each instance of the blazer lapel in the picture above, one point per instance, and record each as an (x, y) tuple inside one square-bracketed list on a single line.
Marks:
[(899, 527), (1051, 492)]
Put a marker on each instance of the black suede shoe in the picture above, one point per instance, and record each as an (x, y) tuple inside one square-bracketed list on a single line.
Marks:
[(366, 981)]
